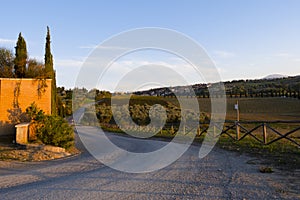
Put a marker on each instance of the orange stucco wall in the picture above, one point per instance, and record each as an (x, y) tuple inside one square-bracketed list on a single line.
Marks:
[(28, 93)]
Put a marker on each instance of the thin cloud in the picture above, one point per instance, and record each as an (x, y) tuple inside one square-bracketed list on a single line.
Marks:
[(297, 59), (6, 41), (88, 47), (184, 70), (287, 56), (224, 54), (68, 63), (103, 47), (284, 55)]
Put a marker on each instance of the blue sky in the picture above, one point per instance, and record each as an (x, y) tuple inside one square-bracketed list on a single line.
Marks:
[(245, 39)]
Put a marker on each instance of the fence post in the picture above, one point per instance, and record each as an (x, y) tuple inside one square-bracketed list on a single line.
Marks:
[(265, 133), (237, 130), (214, 134), (236, 106)]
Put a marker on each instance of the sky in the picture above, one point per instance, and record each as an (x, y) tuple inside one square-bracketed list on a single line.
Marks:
[(245, 39)]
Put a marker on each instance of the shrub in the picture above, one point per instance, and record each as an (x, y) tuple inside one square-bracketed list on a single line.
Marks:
[(54, 130), (50, 129)]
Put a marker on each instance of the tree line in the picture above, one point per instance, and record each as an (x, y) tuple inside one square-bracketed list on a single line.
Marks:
[(280, 87)]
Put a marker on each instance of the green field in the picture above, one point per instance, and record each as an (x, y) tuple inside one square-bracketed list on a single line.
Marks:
[(260, 108), (265, 109)]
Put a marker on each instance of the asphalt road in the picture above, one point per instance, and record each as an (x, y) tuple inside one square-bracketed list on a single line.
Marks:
[(220, 175)]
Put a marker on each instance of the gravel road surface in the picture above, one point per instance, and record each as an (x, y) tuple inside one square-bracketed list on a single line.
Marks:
[(220, 175)]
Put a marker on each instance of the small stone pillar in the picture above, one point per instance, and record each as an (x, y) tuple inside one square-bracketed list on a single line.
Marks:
[(22, 133)]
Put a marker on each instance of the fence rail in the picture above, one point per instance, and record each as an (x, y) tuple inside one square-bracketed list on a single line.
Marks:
[(265, 132)]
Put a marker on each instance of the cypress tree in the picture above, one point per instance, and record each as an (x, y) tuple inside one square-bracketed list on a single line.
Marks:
[(50, 73), (48, 57), (21, 57)]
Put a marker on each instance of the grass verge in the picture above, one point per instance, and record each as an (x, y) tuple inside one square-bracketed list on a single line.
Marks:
[(281, 154)]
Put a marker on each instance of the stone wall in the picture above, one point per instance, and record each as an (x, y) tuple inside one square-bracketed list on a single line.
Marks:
[(16, 95)]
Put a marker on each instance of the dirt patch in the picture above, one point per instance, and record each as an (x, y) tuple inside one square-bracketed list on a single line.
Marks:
[(33, 152)]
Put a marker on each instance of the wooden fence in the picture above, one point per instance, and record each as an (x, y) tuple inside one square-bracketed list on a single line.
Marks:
[(265, 132)]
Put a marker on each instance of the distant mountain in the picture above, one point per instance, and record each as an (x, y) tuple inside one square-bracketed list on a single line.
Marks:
[(274, 76)]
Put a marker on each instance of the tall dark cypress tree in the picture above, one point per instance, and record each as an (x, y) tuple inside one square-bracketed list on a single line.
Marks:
[(48, 57), (50, 73), (21, 57)]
